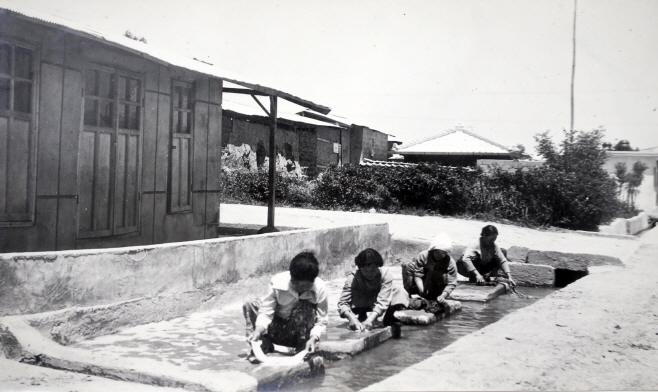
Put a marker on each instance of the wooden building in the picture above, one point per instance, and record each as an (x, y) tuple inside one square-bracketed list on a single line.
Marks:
[(309, 143), (106, 141)]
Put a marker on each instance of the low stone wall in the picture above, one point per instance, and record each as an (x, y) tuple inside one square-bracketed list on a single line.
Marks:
[(630, 226), (219, 268), (529, 267)]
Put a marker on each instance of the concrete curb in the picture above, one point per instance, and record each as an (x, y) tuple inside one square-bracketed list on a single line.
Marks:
[(21, 342), (29, 346)]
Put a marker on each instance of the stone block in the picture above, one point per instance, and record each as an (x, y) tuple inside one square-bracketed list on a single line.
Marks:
[(472, 292), (351, 343), (533, 275), (558, 260), (517, 254), (453, 306)]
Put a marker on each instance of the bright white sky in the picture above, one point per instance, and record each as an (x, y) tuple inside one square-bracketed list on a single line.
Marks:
[(502, 68)]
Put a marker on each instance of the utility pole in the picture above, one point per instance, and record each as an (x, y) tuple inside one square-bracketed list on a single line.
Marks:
[(573, 62)]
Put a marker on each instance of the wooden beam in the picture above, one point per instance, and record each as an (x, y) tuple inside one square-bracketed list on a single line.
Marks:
[(261, 106), (270, 228), (243, 91), (281, 94)]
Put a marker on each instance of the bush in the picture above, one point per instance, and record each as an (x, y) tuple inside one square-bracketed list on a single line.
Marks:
[(571, 191)]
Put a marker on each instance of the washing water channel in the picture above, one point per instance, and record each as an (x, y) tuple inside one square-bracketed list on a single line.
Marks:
[(416, 344), (215, 341)]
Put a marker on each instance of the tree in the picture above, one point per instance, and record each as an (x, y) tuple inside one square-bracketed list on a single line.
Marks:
[(634, 180), (621, 171), (518, 152), (578, 153), (583, 195)]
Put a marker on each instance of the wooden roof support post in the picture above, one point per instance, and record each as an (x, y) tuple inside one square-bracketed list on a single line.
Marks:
[(272, 173)]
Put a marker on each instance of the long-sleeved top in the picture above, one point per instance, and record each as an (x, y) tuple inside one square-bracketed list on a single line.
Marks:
[(438, 276), (281, 299), (359, 292), (484, 255)]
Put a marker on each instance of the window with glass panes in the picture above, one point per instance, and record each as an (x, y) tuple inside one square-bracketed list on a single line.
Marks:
[(109, 152), (17, 152), (179, 193)]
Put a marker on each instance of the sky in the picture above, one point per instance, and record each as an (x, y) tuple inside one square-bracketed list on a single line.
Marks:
[(416, 68)]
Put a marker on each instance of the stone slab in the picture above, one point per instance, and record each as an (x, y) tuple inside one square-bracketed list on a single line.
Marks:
[(349, 343), (416, 317), (567, 261), (472, 292), (532, 274), (517, 254), (421, 317)]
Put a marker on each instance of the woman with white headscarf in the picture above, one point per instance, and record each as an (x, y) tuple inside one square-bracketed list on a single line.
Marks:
[(432, 274)]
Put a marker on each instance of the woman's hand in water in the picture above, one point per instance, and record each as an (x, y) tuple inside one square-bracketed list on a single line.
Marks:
[(310, 344), (355, 324), (255, 336), (511, 281)]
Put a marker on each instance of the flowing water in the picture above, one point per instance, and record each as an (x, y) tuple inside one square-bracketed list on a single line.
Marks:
[(416, 344)]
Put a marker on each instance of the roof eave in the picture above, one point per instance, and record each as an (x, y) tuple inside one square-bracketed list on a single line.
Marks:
[(265, 90), (455, 153)]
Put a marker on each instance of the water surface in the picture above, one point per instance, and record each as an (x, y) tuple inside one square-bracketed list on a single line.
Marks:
[(416, 345)]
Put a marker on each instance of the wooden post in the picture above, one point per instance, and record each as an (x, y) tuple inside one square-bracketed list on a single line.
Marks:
[(272, 173)]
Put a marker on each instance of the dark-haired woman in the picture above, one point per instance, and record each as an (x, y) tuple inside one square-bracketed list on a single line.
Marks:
[(369, 293), (294, 311), (484, 260)]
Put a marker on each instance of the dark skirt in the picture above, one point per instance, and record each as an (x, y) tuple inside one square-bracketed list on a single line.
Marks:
[(291, 332)]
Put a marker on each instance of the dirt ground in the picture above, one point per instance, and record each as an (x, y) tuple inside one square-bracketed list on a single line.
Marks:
[(600, 332)]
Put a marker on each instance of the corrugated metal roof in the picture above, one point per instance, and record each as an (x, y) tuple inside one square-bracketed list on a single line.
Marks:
[(147, 50), (454, 141), (254, 111)]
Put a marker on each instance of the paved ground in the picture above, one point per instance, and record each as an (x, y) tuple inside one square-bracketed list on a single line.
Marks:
[(598, 333)]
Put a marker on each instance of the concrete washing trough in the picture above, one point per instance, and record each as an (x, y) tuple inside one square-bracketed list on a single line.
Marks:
[(164, 309), (165, 314), (203, 351)]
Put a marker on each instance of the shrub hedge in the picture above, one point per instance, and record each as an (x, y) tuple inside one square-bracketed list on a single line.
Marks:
[(543, 196)]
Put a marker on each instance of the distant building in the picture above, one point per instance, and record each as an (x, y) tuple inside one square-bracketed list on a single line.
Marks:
[(455, 147), (304, 141), (364, 142), (647, 198)]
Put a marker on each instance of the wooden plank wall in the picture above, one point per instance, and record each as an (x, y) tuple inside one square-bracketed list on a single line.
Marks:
[(59, 117)]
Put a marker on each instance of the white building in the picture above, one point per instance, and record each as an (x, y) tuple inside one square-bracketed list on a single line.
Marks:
[(647, 198)]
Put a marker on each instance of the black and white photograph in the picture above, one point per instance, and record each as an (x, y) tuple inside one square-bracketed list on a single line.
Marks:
[(313, 195)]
